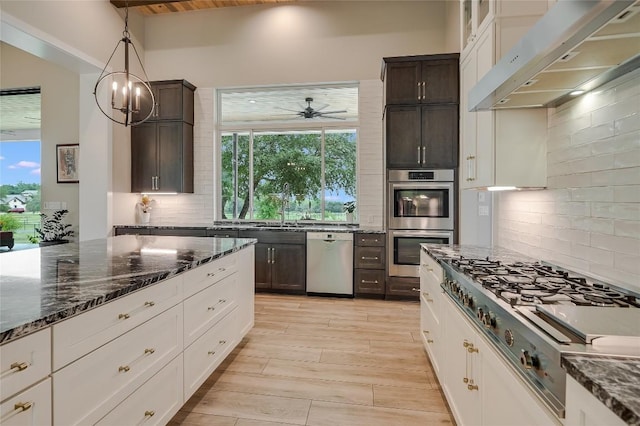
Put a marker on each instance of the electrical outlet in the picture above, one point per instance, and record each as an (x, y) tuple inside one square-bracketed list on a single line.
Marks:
[(483, 210)]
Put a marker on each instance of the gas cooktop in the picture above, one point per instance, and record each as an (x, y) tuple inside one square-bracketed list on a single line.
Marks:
[(530, 283)]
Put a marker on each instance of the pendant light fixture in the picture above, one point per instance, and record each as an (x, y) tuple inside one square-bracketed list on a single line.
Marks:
[(132, 100)]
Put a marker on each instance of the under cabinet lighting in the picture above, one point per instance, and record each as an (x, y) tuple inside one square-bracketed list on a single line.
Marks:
[(158, 193), (158, 251), (501, 188)]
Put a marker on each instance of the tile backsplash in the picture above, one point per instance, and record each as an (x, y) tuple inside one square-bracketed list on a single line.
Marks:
[(588, 218)]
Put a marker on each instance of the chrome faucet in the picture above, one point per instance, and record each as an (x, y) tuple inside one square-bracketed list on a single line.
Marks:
[(284, 200)]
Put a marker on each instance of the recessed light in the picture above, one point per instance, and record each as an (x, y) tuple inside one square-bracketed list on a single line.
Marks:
[(576, 92)]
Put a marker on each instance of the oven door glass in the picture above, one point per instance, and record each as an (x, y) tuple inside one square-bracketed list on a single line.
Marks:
[(421, 203), (404, 250)]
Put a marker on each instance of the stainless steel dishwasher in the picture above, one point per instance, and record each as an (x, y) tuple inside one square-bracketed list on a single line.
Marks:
[(330, 263)]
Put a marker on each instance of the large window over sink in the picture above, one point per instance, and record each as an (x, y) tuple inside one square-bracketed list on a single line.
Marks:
[(274, 160)]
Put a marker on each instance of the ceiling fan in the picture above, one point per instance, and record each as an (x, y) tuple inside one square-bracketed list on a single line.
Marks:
[(310, 112)]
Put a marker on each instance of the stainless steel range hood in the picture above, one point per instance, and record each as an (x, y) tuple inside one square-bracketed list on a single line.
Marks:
[(578, 44)]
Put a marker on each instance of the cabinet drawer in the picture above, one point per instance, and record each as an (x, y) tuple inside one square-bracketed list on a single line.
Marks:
[(370, 240), (369, 281), (179, 232), (31, 407), (24, 361), (206, 275), (276, 237), (222, 233), (154, 403), (89, 388), (80, 335), (204, 309), (369, 257), (206, 353), (405, 287)]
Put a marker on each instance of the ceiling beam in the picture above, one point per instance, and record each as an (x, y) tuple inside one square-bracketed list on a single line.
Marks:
[(122, 3)]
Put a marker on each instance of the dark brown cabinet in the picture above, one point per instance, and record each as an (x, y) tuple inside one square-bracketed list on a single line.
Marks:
[(403, 288), (162, 147), (422, 136), (369, 265), (422, 79), (280, 260), (174, 101)]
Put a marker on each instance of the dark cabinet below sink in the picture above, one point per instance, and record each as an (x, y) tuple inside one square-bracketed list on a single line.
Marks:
[(280, 260)]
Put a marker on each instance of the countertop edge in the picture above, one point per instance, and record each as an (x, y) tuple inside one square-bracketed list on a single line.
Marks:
[(138, 284), (570, 363)]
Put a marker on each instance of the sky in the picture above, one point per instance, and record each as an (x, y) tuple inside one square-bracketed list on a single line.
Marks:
[(19, 162)]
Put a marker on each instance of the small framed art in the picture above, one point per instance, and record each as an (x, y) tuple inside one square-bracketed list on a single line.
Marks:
[(67, 157)]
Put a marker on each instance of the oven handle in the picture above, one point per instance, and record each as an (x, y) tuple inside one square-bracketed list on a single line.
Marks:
[(447, 234)]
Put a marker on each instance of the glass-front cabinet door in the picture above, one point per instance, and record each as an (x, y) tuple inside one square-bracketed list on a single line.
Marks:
[(475, 15)]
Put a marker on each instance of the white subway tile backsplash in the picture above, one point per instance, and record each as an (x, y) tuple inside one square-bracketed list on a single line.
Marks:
[(627, 124), (590, 215)]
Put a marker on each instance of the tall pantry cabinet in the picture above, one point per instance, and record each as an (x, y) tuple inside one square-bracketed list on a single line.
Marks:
[(498, 147), (162, 146)]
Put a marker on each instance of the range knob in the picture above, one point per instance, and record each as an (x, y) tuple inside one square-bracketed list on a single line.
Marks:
[(508, 337), (525, 360), (488, 320), (535, 362)]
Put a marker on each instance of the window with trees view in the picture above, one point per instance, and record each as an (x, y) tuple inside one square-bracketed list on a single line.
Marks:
[(306, 170)]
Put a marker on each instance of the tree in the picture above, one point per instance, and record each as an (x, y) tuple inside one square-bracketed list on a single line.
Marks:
[(289, 157), (33, 204)]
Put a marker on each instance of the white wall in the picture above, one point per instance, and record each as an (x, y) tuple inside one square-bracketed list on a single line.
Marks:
[(302, 43), (59, 125), (589, 217)]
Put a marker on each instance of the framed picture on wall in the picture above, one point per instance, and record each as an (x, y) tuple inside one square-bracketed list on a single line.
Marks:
[(67, 157)]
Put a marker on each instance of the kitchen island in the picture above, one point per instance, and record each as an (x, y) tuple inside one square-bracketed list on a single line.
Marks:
[(146, 318)]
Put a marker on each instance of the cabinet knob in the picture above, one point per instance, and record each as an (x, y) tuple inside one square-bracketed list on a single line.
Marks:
[(471, 349), (123, 316), (222, 342), (19, 366), (149, 304), (211, 353), (211, 308), (429, 340), (23, 406), (149, 413), (149, 351), (472, 387), (465, 380), (123, 368)]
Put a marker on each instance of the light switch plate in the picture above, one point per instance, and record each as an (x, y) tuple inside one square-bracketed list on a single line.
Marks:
[(483, 210)]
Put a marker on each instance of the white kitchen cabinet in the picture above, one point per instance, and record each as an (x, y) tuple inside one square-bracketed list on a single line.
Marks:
[(246, 290), (475, 15), (431, 275), (154, 403), (207, 352), (24, 361), (584, 409), (462, 366), (92, 386), (500, 147), (31, 407), (80, 335)]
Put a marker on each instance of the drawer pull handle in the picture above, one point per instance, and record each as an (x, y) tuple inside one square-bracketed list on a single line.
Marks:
[(222, 301), (370, 282), (211, 308), (472, 387), (123, 316), (429, 300), (23, 406), (149, 413), (149, 304), (19, 365), (211, 274), (149, 351), (211, 352), (415, 289), (222, 342), (123, 368), (471, 349), (429, 340), (369, 258)]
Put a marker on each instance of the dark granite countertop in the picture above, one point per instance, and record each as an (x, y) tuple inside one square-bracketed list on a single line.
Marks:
[(614, 381), (256, 226), (441, 252), (41, 286)]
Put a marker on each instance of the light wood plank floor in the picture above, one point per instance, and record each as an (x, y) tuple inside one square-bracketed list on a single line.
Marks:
[(323, 361)]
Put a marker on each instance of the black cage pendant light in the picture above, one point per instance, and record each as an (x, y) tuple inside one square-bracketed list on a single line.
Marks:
[(132, 100)]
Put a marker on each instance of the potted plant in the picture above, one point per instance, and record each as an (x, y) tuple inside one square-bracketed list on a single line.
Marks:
[(145, 208), (349, 207), (53, 230), (8, 224)]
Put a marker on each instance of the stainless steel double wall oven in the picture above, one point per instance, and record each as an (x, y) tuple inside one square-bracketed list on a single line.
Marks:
[(420, 209)]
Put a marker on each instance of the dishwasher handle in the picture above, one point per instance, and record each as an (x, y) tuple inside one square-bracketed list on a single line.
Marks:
[(329, 241)]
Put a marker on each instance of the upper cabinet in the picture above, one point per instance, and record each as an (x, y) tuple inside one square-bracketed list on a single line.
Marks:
[(501, 147), (162, 147), (174, 101), (424, 81), (421, 113)]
